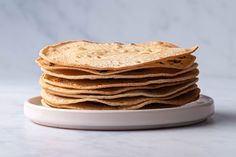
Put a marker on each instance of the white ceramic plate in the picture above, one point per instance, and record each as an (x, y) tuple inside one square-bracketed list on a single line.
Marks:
[(188, 114)]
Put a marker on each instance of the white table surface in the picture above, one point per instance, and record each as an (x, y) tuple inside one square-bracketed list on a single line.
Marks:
[(215, 137)]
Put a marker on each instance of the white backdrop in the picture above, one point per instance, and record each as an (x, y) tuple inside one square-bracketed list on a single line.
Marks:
[(26, 26)]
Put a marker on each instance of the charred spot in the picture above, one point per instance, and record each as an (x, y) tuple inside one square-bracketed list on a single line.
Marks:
[(51, 64), (182, 57), (174, 61)]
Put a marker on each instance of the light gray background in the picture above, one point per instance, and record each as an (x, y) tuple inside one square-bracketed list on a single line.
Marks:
[(26, 26)]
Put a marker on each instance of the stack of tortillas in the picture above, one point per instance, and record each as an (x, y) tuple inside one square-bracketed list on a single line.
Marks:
[(113, 76)]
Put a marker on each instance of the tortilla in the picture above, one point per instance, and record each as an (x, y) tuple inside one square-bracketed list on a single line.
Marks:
[(123, 101), (109, 56), (106, 83), (112, 90), (177, 101), (143, 73), (156, 93), (180, 62)]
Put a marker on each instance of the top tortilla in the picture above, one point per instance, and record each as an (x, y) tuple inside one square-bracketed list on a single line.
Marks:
[(110, 56), (181, 62)]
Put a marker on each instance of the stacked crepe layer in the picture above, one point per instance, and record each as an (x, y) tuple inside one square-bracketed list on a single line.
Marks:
[(114, 76)]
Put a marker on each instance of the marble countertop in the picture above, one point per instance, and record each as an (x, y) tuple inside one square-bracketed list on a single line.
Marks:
[(215, 137)]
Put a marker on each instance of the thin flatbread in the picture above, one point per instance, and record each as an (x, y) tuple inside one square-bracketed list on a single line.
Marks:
[(109, 56), (180, 62), (124, 101), (106, 83), (143, 73), (177, 101), (112, 90), (155, 93)]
